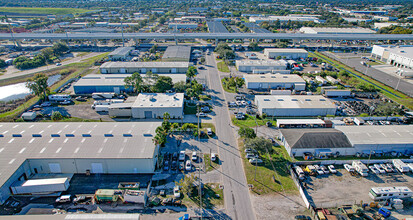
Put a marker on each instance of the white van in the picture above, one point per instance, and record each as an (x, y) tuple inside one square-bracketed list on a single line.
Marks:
[(63, 199), (209, 131)]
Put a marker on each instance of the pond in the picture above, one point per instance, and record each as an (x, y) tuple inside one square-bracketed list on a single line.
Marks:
[(19, 90)]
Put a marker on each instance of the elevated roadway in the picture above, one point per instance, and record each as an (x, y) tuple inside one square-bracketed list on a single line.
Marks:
[(214, 36)]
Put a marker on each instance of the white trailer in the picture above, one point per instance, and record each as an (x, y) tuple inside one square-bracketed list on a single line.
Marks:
[(40, 186), (384, 193), (102, 108), (332, 80), (401, 166), (360, 168), (103, 95), (59, 97), (321, 80)]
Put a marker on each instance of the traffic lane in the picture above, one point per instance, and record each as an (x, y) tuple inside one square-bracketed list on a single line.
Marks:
[(237, 200)]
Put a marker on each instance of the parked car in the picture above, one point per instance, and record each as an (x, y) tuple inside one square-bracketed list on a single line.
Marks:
[(332, 169), (302, 217), (205, 109), (379, 168), (177, 194), (181, 166), (255, 161), (166, 165), (349, 168), (390, 168), (232, 104), (173, 165), (209, 131), (318, 170), (243, 103), (238, 103), (188, 165), (64, 198), (239, 116), (213, 157), (374, 170), (46, 104), (166, 156), (80, 99), (175, 156), (80, 199), (324, 169), (66, 102), (250, 150), (201, 114), (201, 68), (250, 156), (182, 155), (194, 156), (58, 64)]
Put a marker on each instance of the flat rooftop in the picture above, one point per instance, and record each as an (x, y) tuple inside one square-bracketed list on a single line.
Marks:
[(331, 30), (117, 79), (379, 134), (294, 101), (62, 140), (145, 65), (405, 51), (285, 50), (159, 100), (273, 78), (315, 138), (300, 121), (182, 52), (262, 62), (121, 51)]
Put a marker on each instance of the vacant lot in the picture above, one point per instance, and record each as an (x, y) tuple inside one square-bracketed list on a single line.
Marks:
[(342, 188)]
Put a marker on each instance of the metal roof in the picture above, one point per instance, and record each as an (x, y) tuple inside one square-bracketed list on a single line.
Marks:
[(300, 121), (117, 79), (181, 52), (145, 65), (379, 134), (315, 138), (159, 100), (294, 101), (62, 140), (331, 30), (273, 78), (284, 50), (262, 63), (121, 51)]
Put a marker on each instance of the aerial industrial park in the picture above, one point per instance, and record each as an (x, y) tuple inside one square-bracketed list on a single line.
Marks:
[(206, 110)]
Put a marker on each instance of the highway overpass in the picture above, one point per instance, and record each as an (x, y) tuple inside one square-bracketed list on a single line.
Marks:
[(214, 36)]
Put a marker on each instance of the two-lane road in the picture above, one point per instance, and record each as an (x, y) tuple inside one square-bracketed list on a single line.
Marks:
[(237, 198)]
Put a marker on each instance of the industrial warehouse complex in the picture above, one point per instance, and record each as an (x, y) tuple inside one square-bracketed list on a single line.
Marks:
[(144, 67), (106, 147), (285, 53), (399, 56), (348, 140), (298, 105), (262, 66)]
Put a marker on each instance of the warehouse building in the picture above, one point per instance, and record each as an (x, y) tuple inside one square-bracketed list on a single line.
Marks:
[(398, 56), (379, 139), (183, 25), (177, 54), (262, 66), (330, 30), (320, 142), (151, 105), (144, 67), (105, 147), (306, 18), (274, 81), (294, 105), (285, 53), (120, 54), (111, 83)]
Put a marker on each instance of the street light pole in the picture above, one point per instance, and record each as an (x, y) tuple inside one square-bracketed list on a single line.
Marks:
[(397, 86)]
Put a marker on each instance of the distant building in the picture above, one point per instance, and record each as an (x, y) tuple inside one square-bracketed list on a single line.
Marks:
[(120, 54), (285, 53), (183, 25), (144, 67), (328, 30), (294, 105), (274, 81), (308, 18), (262, 66)]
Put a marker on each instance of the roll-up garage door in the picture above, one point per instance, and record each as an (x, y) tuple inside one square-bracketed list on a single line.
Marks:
[(55, 168), (97, 168)]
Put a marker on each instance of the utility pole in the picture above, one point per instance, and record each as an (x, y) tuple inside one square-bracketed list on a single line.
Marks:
[(199, 132), (123, 39)]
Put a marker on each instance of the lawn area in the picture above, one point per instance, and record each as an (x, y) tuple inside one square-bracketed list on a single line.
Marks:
[(249, 121), (211, 166), (384, 89), (48, 11), (228, 89), (223, 67), (263, 182), (209, 198)]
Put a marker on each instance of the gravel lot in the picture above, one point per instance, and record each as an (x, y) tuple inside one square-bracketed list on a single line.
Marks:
[(342, 188), (278, 206)]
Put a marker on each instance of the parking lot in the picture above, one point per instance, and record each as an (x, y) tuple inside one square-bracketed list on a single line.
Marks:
[(334, 190)]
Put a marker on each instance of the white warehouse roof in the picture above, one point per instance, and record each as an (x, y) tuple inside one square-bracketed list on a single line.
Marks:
[(21, 141), (285, 50), (145, 65), (293, 101), (273, 78), (117, 79), (378, 134), (159, 100), (121, 51), (261, 62), (330, 30)]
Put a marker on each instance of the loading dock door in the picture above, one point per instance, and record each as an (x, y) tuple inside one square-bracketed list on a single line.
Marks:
[(55, 168), (148, 114), (116, 90), (97, 168), (123, 71)]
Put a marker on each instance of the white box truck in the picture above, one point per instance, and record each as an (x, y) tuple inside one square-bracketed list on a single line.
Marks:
[(360, 168), (40, 186), (401, 166)]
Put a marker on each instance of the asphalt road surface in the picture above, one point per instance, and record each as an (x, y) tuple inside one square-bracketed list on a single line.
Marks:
[(392, 81), (236, 192)]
